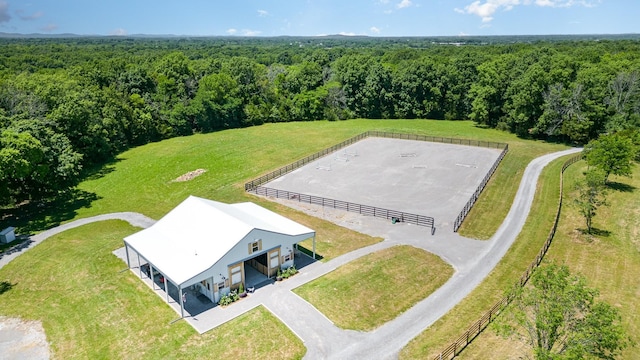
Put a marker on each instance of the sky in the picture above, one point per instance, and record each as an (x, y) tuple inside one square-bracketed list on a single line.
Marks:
[(320, 17)]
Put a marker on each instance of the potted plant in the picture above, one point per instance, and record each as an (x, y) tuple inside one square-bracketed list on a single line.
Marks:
[(241, 291), (279, 275)]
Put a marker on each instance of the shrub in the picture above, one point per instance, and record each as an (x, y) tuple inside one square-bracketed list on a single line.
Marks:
[(225, 300)]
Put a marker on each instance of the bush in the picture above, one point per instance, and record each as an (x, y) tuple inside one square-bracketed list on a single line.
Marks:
[(229, 299), (289, 272), (225, 300)]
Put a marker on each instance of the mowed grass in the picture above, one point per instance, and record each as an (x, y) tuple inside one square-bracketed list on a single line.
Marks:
[(376, 288), (90, 309), (141, 181), (610, 261), (448, 328)]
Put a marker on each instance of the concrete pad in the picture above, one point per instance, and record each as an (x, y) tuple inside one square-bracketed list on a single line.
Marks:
[(419, 177)]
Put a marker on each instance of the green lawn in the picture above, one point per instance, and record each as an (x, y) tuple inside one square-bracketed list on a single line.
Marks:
[(376, 288), (140, 181), (448, 328), (90, 309), (609, 261)]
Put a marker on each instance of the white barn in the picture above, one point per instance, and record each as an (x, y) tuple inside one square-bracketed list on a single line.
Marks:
[(207, 245)]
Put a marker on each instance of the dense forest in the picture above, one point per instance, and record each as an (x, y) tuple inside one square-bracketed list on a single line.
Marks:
[(69, 104)]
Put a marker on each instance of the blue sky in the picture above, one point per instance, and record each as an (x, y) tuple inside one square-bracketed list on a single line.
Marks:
[(317, 17)]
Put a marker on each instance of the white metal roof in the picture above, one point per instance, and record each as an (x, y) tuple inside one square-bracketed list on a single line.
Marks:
[(199, 232)]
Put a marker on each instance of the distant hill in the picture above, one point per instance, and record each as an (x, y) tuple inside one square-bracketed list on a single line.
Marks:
[(454, 40)]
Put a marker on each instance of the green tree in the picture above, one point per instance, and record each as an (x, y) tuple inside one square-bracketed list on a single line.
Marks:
[(624, 100), (613, 153), (417, 89), (21, 157), (558, 316), (591, 195), (218, 104)]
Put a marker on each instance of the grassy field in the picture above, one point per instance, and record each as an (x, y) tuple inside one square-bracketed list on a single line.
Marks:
[(522, 252), (92, 310), (607, 260), (141, 180), (376, 288)]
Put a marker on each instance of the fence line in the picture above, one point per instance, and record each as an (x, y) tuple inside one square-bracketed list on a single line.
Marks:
[(467, 207), (256, 184), (393, 215), (249, 186), (474, 330)]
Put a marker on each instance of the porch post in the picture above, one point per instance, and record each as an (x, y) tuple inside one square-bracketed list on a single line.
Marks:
[(180, 300), (139, 265), (153, 283), (166, 288), (126, 249), (314, 246), (213, 295)]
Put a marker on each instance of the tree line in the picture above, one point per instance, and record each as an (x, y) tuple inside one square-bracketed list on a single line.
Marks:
[(71, 104)]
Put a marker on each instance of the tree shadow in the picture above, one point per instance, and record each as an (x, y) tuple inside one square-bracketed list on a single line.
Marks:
[(595, 232), (622, 187), (101, 170), (34, 216), (16, 246), (5, 286)]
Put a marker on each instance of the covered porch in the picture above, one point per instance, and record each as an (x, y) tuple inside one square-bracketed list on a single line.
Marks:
[(195, 302)]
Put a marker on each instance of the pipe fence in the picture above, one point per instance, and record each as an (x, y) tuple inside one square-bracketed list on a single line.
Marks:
[(254, 185), (467, 207), (249, 186), (348, 206), (474, 330)]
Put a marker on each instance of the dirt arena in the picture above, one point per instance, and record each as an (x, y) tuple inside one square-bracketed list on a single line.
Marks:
[(419, 177)]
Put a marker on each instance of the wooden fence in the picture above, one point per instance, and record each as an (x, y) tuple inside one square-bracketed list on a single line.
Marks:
[(474, 330), (465, 211), (347, 206)]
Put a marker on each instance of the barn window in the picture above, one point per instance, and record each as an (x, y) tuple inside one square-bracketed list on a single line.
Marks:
[(255, 246)]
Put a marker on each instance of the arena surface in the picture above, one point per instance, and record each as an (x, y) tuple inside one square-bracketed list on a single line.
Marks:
[(412, 176)]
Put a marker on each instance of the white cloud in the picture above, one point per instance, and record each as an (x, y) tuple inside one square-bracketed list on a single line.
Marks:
[(243, 32), (404, 4), (566, 3), (374, 30), (49, 28), (4, 12), (343, 33), (486, 9), (263, 13), (119, 32), (247, 32), (26, 17)]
